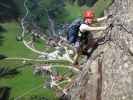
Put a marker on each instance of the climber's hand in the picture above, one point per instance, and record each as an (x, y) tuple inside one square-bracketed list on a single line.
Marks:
[(109, 16), (111, 25)]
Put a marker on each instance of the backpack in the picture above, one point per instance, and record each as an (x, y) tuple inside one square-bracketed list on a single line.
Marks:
[(73, 29)]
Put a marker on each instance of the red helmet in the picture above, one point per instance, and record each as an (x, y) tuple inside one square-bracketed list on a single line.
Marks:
[(88, 14)]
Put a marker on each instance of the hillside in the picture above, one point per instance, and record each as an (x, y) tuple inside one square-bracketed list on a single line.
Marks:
[(19, 21)]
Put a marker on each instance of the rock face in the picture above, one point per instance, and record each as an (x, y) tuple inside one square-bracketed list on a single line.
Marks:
[(108, 74)]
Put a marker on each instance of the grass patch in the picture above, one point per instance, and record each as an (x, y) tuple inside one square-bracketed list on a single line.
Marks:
[(100, 6), (73, 11), (26, 81), (11, 47)]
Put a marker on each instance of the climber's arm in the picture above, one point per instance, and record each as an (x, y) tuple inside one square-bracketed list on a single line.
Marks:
[(101, 18), (85, 27)]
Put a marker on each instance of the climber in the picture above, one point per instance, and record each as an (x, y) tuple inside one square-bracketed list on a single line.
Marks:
[(79, 33)]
